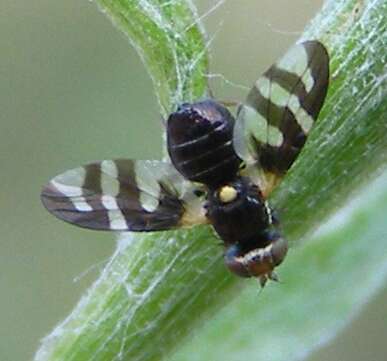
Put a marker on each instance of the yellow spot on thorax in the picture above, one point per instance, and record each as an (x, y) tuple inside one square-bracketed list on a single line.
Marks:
[(227, 194)]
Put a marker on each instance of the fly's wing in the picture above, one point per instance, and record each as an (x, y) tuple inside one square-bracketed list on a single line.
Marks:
[(280, 110), (124, 195)]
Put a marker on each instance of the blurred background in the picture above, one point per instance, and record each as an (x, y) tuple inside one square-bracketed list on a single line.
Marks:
[(71, 91)]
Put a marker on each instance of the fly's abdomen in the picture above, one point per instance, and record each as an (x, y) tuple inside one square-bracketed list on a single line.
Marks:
[(200, 142)]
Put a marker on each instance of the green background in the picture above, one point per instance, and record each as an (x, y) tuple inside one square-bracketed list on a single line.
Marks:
[(72, 90)]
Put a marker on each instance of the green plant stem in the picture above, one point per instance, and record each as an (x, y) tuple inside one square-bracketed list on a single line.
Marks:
[(170, 42), (158, 287)]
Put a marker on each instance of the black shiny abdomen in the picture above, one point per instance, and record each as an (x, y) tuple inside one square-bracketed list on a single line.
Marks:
[(200, 146), (243, 220)]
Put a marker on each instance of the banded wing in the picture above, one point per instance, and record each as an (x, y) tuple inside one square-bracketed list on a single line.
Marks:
[(280, 110), (124, 195)]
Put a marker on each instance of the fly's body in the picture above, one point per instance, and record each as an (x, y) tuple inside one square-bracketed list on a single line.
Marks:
[(223, 168), (234, 205)]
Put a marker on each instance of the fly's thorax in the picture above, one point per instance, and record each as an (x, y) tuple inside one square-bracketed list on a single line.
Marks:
[(237, 210), (199, 137), (252, 260)]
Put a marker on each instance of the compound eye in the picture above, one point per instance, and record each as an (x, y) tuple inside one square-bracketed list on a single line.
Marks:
[(279, 250), (234, 261)]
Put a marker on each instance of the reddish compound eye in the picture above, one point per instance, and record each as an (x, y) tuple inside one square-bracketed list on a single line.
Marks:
[(234, 261)]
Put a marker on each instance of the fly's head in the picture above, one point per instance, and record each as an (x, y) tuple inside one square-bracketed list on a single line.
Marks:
[(247, 261)]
